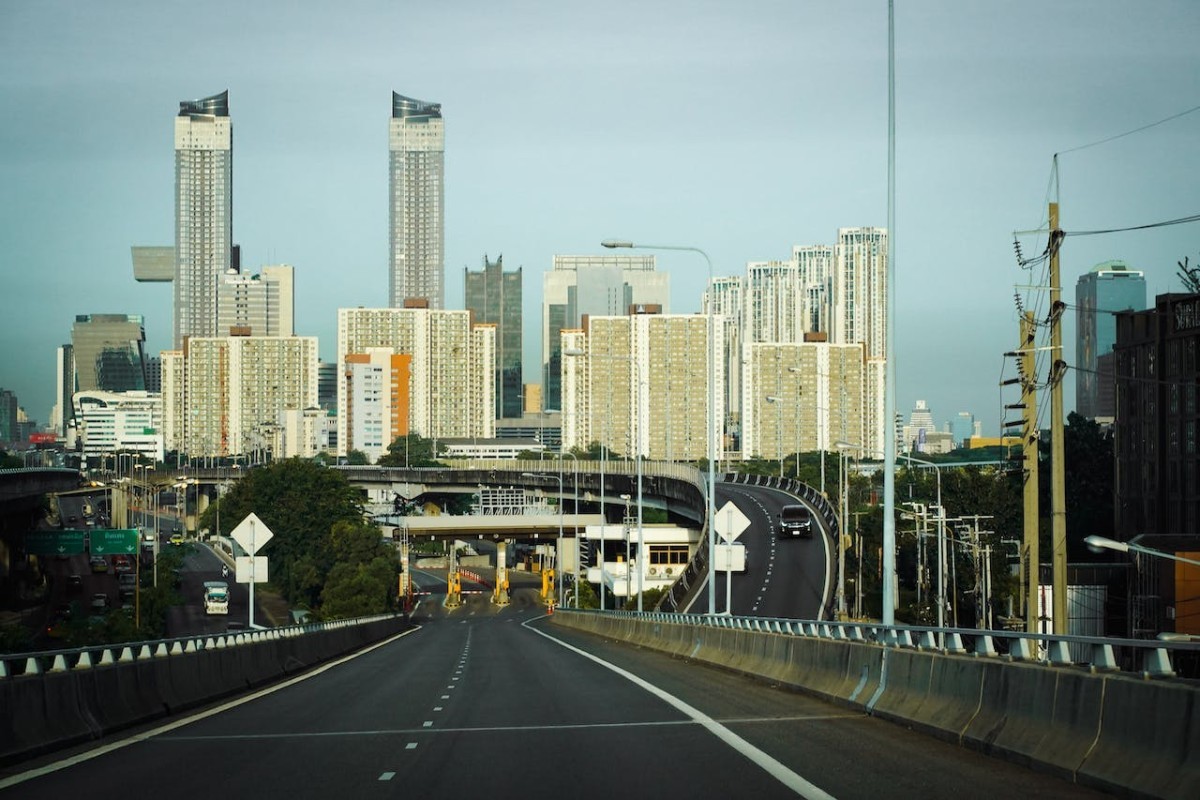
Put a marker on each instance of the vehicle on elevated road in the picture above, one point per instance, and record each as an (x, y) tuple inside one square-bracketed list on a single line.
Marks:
[(216, 597), (794, 521)]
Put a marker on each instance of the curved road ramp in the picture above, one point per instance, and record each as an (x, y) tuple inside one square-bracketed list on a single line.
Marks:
[(54, 700), (1120, 732)]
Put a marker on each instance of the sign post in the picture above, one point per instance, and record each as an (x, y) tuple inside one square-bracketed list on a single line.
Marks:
[(251, 533), (730, 524)]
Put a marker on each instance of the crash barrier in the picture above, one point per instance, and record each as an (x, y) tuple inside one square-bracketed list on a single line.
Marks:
[(1120, 722), (56, 699)]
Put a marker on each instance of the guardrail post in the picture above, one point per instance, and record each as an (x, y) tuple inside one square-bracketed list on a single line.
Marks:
[(32, 667), (954, 643), (3, 668), (927, 641), (126, 654), (1102, 658), (1021, 649), (1157, 664), (1058, 654), (984, 646), (59, 664)]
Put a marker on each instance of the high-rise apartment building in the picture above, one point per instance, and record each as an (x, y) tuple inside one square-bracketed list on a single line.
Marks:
[(108, 353), (639, 383), (256, 305), (119, 422), (417, 149), (494, 296), (773, 299), (858, 314), (814, 277), (802, 397), (727, 296), (64, 388), (452, 381), (235, 389), (8, 418), (203, 212), (1099, 294), (592, 286)]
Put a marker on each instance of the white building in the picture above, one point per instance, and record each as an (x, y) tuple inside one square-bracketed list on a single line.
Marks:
[(203, 212), (303, 432), (814, 277), (256, 305), (417, 152), (125, 422), (446, 390), (728, 302), (593, 286), (859, 313), (640, 384)]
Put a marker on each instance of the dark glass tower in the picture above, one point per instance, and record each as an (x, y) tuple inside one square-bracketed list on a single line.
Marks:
[(493, 296)]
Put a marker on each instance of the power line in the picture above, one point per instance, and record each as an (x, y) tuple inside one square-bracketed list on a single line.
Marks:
[(1128, 133)]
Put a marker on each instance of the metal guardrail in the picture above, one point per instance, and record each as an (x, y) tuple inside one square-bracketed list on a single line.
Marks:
[(1150, 658), (37, 663)]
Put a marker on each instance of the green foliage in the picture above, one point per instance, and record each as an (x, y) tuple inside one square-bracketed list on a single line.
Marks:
[(587, 595), (15, 639), (356, 590), (300, 501), (412, 450), (10, 461), (650, 599), (357, 458)]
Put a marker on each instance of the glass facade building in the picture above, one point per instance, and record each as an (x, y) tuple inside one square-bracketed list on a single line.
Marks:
[(108, 353), (493, 296), (1099, 294)]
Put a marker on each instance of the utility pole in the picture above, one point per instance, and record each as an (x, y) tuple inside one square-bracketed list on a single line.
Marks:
[(1058, 502), (1029, 555)]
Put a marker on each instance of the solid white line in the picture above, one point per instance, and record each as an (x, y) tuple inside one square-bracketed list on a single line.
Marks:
[(150, 734), (767, 763)]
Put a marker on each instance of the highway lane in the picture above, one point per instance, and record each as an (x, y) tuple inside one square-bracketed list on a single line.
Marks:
[(490, 706), (201, 564), (790, 578)]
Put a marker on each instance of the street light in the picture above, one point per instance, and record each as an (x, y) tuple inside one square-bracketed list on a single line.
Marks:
[(575, 483), (712, 422), (558, 548), (778, 402), (1098, 544)]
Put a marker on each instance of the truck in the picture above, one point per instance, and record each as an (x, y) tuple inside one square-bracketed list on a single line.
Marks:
[(795, 521), (216, 597)]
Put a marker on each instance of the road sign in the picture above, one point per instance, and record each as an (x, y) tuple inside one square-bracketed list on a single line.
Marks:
[(251, 534), (243, 569), (105, 542), (731, 522), (55, 543)]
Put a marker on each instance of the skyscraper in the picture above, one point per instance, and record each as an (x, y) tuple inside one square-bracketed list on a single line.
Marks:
[(494, 296), (1100, 293), (858, 314), (203, 212), (416, 143)]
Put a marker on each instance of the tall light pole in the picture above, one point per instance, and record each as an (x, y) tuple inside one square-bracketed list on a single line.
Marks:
[(1098, 543), (712, 421), (578, 563), (779, 401)]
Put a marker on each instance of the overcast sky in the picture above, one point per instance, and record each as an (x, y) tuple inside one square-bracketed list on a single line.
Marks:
[(742, 128)]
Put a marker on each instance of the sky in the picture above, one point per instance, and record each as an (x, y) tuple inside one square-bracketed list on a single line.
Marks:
[(741, 128)]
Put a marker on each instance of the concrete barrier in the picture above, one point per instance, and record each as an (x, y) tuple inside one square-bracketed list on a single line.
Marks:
[(50, 710), (1111, 731)]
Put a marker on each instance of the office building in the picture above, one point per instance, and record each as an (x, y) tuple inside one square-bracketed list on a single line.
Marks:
[(8, 418), (416, 147), (920, 426), (494, 296), (256, 305), (802, 397), (119, 422), (452, 382), (304, 432), (963, 426), (236, 389), (203, 212), (1099, 294), (1155, 431), (64, 388), (108, 353), (594, 286), (639, 383)]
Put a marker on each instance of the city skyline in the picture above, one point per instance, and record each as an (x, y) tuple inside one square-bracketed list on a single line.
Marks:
[(984, 99)]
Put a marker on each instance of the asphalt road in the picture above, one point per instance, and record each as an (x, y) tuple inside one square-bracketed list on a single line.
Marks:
[(201, 564), (789, 578), (507, 705)]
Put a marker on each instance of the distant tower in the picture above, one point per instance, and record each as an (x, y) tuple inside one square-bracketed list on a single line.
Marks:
[(203, 212), (494, 296), (108, 353), (858, 313), (416, 142), (1099, 294)]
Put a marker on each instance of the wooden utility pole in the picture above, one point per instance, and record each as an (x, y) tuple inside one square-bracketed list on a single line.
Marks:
[(1058, 482), (1029, 451)]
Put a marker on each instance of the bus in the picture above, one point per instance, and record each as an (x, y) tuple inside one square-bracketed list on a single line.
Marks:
[(216, 597)]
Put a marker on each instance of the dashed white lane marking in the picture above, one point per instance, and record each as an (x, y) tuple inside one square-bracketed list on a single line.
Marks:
[(437, 708), (767, 763), (445, 697), (387, 776), (427, 723), (157, 732), (410, 746)]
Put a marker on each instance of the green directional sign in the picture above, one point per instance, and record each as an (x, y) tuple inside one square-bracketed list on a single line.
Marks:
[(54, 543), (113, 541)]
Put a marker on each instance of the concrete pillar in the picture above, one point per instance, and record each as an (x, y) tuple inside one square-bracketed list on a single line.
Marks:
[(500, 593)]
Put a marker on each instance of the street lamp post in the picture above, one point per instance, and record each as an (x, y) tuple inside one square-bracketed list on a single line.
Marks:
[(712, 421), (1099, 543), (779, 401), (578, 562)]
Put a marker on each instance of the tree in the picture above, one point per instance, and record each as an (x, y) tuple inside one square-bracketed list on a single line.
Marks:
[(1190, 276), (300, 501), (357, 458), (412, 450)]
